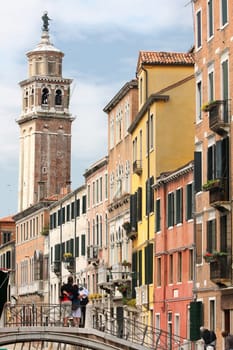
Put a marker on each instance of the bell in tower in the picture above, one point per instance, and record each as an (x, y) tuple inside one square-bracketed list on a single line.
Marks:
[(45, 125)]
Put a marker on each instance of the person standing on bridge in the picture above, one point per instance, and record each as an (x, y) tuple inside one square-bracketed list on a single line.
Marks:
[(66, 300), (76, 307)]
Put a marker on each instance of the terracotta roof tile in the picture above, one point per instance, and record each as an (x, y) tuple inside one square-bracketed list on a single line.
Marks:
[(7, 219), (165, 58)]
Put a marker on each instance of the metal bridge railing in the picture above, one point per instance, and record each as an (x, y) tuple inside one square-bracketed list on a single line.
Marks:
[(128, 328)]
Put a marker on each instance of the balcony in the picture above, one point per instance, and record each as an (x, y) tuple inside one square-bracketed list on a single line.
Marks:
[(137, 167), (219, 116), (220, 271), (219, 195)]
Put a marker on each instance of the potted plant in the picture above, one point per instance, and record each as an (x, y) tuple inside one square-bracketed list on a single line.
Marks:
[(214, 256), (211, 184), (126, 263), (45, 231), (67, 257), (207, 106), (127, 226)]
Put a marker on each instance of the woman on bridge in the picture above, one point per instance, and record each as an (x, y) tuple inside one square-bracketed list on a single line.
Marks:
[(66, 297)]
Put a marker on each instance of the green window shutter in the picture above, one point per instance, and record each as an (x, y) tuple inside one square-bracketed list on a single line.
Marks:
[(72, 210), (198, 171), (139, 204), (63, 215), (158, 216), (189, 201), (179, 206), (148, 264), (59, 217), (196, 319), (170, 209), (83, 245), (68, 212), (57, 252)]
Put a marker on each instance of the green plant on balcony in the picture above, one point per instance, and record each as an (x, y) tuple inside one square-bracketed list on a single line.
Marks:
[(67, 257), (45, 231), (214, 256), (211, 184), (126, 263), (131, 302), (207, 106), (127, 226)]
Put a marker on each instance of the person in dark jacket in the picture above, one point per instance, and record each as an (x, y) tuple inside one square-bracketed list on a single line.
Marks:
[(76, 307), (209, 337), (228, 340)]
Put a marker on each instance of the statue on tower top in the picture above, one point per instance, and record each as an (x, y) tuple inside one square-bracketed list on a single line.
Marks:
[(45, 19)]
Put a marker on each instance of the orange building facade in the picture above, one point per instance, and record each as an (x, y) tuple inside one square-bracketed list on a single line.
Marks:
[(174, 252)]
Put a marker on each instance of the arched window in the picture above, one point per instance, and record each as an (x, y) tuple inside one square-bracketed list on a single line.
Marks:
[(45, 95), (58, 97)]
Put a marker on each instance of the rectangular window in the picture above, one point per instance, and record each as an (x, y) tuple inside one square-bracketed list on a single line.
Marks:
[(191, 265), (224, 12), (151, 132), (199, 101), (158, 272), (170, 209), (189, 201), (179, 206), (179, 267), (223, 233), (77, 207), (88, 196), (198, 30), (157, 216), (77, 247), (148, 264), (72, 210), (84, 204), (83, 245), (198, 171), (106, 186), (68, 212), (225, 88), (211, 236), (212, 314), (211, 85), (149, 195), (210, 19), (170, 276), (101, 189), (198, 243)]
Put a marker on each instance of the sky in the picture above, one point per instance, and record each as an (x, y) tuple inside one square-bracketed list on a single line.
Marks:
[(101, 40)]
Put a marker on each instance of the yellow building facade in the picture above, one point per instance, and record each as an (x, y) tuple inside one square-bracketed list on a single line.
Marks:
[(162, 140)]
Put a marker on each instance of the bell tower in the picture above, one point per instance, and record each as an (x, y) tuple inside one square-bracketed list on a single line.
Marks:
[(45, 125)]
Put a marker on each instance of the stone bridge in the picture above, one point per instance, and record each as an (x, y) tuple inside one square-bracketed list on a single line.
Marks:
[(87, 338)]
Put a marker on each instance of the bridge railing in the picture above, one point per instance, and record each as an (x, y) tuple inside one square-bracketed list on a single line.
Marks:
[(128, 328)]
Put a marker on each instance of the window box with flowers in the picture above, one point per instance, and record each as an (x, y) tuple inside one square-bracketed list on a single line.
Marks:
[(214, 256), (67, 257)]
